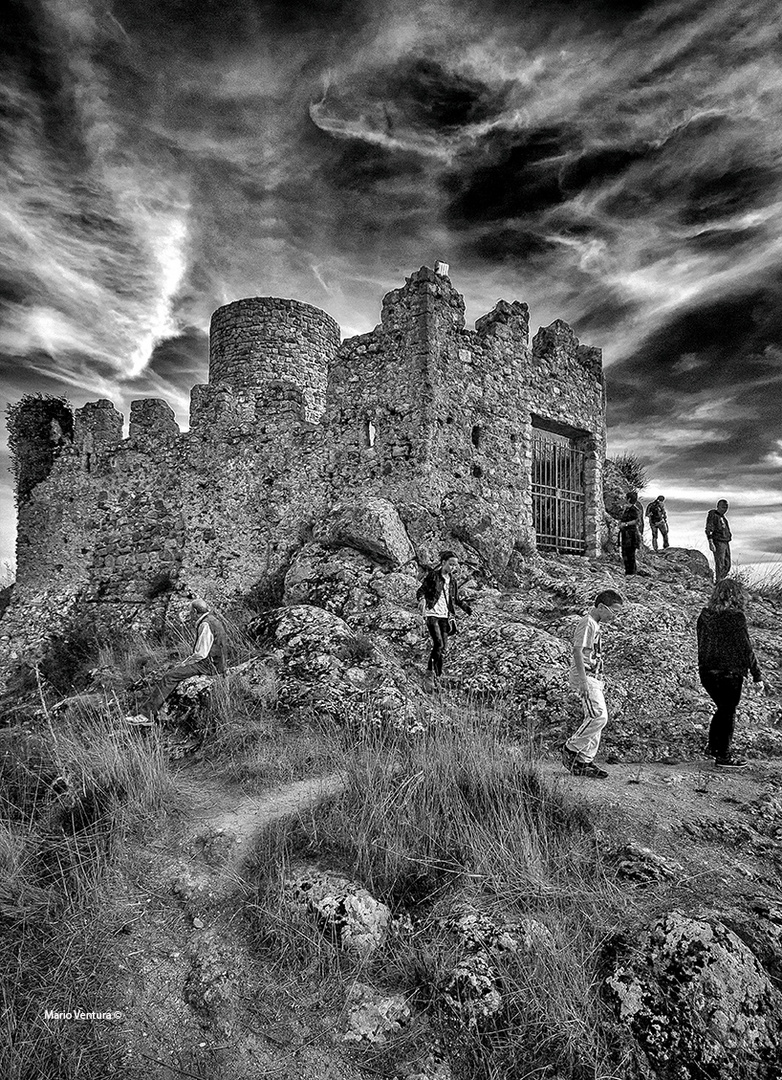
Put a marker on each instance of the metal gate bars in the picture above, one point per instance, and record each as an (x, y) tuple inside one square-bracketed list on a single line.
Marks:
[(558, 494)]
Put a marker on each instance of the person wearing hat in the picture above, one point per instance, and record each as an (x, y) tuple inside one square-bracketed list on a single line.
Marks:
[(207, 658), (438, 597)]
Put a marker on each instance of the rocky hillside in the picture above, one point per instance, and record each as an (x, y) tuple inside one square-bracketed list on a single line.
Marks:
[(318, 867), (349, 624)]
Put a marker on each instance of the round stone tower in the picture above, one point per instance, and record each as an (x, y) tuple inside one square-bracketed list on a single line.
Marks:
[(263, 339)]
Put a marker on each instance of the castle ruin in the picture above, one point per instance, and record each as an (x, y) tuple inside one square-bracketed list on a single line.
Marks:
[(477, 438)]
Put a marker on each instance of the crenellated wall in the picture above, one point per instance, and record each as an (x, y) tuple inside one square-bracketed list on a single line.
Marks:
[(432, 416)]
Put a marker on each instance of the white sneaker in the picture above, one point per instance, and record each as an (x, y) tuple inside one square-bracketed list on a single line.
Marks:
[(139, 720)]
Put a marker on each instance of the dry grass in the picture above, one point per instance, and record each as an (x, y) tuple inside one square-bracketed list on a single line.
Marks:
[(74, 794), (454, 815), (768, 586)]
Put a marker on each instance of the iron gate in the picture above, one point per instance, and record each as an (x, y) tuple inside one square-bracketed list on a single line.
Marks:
[(558, 494)]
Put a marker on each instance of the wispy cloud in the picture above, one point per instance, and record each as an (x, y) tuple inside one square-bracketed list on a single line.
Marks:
[(617, 165)]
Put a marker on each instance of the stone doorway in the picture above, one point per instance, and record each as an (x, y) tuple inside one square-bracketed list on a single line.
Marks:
[(558, 493)]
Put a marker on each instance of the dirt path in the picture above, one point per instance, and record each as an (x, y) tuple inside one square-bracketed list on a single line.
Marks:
[(222, 824), (665, 795)]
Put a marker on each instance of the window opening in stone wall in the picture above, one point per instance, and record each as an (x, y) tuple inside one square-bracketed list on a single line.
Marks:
[(476, 436), (558, 493)]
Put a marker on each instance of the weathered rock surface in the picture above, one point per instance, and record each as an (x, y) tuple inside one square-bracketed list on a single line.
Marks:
[(634, 862), (698, 1002), (371, 525), (473, 990), (343, 908), (373, 1016), (689, 559), (321, 662)]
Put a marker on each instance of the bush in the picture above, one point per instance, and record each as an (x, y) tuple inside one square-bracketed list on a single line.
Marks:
[(632, 468), (33, 450)]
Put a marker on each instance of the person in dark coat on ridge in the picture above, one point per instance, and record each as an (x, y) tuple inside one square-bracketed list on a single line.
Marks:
[(438, 597), (630, 531), (719, 536), (725, 655)]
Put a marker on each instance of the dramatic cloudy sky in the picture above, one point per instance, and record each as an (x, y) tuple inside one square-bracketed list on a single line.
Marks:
[(614, 164)]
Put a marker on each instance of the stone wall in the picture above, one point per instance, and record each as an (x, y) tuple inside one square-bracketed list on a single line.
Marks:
[(264, 338), (423, 412), (437, 418)]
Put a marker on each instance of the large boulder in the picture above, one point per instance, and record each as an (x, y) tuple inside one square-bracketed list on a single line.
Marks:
[(321, 663), (698, 1002), (337, 580), (371, 525), (473, 521), (688, 559)]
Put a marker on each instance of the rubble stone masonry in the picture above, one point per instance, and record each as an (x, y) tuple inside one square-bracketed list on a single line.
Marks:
[(432, 416)]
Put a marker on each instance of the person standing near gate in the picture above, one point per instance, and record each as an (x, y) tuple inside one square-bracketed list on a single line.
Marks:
[(719, 536), (658, 519), (438, 598), (630, 528)]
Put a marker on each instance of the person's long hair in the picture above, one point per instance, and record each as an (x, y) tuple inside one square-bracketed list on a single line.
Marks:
[(728, 595)]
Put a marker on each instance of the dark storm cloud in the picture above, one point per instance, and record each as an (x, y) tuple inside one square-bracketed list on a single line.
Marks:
[(614, 164)]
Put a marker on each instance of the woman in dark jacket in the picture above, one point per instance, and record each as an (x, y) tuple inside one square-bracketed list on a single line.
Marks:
[(632, 523), (725, 655)]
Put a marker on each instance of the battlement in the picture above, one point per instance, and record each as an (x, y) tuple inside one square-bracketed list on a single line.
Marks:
[(557, 346), (442, 421)]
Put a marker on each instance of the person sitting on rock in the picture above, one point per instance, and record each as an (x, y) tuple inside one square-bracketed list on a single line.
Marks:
[(438, 598), (207, 658), (658, 519), (725, 655), (630, 530), (586, 678)]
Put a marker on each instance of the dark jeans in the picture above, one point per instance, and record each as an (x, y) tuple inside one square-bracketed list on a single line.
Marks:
[(662, 529), (172, 678), (630, 544), (724, 688), (438, 631), (721, 559)]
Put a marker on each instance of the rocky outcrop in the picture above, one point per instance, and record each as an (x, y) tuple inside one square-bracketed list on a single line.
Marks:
[(344, 910), (689, 560), (698, 1002), (372, 526), (473, 991), (320, 662)]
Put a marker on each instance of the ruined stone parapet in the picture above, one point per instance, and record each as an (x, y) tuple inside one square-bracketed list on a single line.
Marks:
[(591, 359), (266, 339), (506, 320), (216, 408), (98, 427), (557, 345), (152, 421), (424, 296)]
